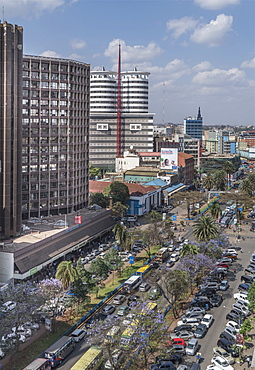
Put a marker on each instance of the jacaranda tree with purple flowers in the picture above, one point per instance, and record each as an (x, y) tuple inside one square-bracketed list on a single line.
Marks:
[(196, 267)]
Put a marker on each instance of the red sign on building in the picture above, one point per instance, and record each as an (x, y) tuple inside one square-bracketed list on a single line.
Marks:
[(77, 219)]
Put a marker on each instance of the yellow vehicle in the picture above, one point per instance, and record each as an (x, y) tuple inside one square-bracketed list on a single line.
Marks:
[(127, 335), (112, 333), (149, 308), (91, 360), (142, 271)]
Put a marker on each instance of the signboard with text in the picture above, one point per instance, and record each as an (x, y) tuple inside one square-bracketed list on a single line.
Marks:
[(169, 159), (77, 219)]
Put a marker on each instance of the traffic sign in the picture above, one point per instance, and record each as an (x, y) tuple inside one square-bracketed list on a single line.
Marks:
[(131, 260), (174, 218)]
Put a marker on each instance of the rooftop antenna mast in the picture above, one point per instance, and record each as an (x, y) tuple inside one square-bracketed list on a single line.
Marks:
[(3, 13), (119, 106), (164, 90)]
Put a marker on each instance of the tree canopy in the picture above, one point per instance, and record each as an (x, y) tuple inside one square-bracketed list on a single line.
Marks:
[(118, 191)]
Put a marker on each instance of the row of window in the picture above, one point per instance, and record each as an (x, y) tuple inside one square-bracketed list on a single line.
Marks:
[(54, 85), (55, 95), (54, 67)]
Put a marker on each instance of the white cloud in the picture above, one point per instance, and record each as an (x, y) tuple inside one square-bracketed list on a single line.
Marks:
[(75, 56), (50, 54), (132, 54), (203, 66), (27, 8), (77, 44), (219, 77), (248, 63), (213, 33), (215, 4), (181, 26)]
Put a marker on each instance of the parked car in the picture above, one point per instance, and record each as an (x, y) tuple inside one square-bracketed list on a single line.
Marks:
[(117, 356), (241, 295), (234, 325), (144, 287), (231, 316), (154, 293), (133, 300), (200, 331), (206, 292), (119, 299), (185, 327), (243, 309), (224, 285), (183, 334), (192, 347), (163, 365), (194, 321), (123, 310), (8, 306), (207, 320), (221, 363), (228, 336), (170, 263), (108, 309), (78, 334), (216, 300), (195, 309), (247, 279), (177, 340), (218, 351), (191, 314), (244, 287)]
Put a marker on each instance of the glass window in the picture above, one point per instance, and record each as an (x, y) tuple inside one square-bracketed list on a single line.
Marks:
[(35, 75)]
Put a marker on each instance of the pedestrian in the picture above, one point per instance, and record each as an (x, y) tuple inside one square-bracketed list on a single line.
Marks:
[(198, 357), (248, 360)]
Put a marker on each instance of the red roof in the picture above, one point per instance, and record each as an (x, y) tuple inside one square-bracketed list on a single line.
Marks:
[(134, 189), (149, 154)]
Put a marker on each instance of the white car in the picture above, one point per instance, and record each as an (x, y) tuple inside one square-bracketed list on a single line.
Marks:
[(31, 325), (2, 354), (8, 306), (241, 295), (78, 334), (128, 319), (207, 320), (213, 367), (234, 325), (221, 363), (218, 351), (116, 357)]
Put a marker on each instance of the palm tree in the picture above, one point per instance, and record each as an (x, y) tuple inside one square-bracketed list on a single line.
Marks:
[(205, 229), (208, 182), (120, 233), (189, 250), (66, 273), (220, 179), (229, 168), (247, 187), (215, 210)]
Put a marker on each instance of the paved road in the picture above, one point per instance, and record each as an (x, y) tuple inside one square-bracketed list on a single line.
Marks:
[(219, 313)]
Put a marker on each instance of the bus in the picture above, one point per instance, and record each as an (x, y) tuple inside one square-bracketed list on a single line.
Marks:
[(91, 360), (132, 283), (39, 364), (162, 254), (142, 271), (225, 221), (59, 350), (127, 335)]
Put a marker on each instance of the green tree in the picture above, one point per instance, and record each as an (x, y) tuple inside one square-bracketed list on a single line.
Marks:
[(247, 187), (246, 327), (118, 191), (120, 234), (114, 260), (99, 268), (119, 210), (215, 210), (219, 178), (99, 199), (205, 229), (82, 285), (66, 273), (229, 168), (189, 249), (251, 297), (94, 171), (208, 182)]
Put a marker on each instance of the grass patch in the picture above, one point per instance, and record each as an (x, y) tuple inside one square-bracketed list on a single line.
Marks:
[(23, 358)]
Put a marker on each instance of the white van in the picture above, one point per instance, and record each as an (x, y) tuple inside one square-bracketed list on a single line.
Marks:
[(192, 347), (174, 257), (113, 332)]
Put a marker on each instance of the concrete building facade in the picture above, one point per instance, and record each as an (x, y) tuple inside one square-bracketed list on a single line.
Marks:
[(55, 136), (136, 121), (11, 52)]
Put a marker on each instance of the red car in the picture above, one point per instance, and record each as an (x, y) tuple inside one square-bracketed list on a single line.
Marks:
[(223, 265), (179, 341)]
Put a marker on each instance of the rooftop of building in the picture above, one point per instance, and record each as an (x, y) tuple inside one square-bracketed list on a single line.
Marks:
[(134, 188)]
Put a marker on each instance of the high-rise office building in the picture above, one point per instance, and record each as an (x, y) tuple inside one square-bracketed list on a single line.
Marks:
[(136, 122), (55, 132), (11, 53), (194, 126)]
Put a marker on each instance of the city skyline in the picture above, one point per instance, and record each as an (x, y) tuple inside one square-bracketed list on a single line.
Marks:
[(198, 52)]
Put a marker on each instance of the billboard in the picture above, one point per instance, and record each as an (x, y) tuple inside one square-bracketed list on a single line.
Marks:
[(169, 159)]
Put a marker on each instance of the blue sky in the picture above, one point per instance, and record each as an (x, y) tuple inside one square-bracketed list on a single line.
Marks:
[(199, 52)]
